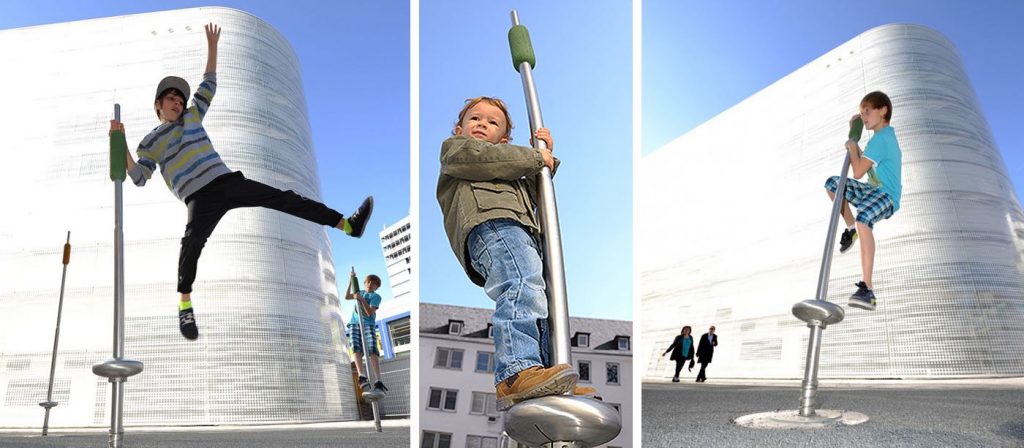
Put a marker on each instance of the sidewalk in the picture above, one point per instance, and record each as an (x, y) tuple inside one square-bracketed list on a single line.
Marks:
[(316, 435), (921, 413)]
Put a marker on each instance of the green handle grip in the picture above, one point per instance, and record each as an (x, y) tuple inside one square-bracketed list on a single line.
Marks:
[(856, 128), (353, 283), (118, 149), (522, 49)]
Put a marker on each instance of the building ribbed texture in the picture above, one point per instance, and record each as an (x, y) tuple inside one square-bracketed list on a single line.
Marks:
[(271, 346), (733, 216)]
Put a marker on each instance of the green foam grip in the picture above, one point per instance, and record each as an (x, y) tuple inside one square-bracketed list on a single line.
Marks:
[(522, 49), (353, 283), (118, 150), (856, 128)]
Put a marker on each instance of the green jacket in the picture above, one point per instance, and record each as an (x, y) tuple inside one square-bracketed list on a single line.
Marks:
[(481, 181)]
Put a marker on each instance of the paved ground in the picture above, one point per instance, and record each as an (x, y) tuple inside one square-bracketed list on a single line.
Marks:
[(325, 436), (919, 414)]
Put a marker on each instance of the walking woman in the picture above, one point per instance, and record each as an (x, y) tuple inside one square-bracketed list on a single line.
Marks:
[(682, 351)]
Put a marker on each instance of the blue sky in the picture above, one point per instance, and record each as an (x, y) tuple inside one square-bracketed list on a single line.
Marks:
[(354, 58), (583, 77), (702, 59)]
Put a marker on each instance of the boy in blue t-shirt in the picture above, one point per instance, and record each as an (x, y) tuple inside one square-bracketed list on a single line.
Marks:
[(369, 301), (875, 200)]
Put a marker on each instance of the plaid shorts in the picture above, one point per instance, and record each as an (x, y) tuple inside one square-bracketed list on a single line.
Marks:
[(872, 204), (357, 342)]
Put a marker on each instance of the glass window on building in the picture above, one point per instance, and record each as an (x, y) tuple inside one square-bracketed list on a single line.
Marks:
[(473, 441), (400, 332), (442, 399), (485, 362), (612, 369), (583, 367), (623, 343), (433, 439), (484, 404), (448, 358)]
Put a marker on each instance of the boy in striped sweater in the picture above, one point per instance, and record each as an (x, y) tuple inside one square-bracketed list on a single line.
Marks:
[(195, 173)]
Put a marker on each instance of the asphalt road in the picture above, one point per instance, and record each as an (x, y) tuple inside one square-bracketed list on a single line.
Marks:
[(682, 414), (255, 438)]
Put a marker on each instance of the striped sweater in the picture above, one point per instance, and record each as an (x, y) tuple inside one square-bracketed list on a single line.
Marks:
[(182, 149)]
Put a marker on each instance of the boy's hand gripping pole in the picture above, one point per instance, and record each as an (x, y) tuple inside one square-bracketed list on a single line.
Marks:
[(117, 369), (819, 313), (372, 395), (553, 421)]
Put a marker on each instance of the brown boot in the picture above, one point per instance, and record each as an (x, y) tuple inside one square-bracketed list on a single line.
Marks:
[(586, 391), (535, 382)]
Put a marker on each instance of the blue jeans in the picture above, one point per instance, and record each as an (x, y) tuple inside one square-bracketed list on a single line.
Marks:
[(505, 254)]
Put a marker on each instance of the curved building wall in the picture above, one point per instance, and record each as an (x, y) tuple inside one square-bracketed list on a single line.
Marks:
[(271, 346), (733, 217)]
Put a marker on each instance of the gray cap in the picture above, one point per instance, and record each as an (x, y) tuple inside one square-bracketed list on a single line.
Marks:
[(173, 82)]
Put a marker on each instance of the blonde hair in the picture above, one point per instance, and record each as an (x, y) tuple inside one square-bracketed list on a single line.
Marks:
[(489, 100)]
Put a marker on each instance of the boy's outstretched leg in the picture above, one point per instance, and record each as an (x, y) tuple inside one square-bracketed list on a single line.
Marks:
[(849, 235), (356, 222), (864, 298)]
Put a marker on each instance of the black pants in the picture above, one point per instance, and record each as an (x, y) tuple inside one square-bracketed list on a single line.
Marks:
[(210, 203), (679, 366), (700, 375)]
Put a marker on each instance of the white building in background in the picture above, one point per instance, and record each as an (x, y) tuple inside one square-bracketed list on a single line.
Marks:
[(457, 399), (733, 214), (396, 242), (271, 347)]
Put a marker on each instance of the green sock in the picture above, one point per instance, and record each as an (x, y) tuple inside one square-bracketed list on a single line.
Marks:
[(346, 226), (184, 305)]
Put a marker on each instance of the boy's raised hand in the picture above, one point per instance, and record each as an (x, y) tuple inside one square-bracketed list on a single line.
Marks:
[(115, 126), (212, 34), (544, 135)]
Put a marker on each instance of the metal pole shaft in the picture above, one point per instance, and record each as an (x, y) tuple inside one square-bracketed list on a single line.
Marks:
[(554, 267), (56, 338), (116, 397), (809, 386)]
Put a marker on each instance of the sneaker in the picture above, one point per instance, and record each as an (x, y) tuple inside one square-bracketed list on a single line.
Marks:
[(846, 241), (675, 379), (586, 391), (864, 298), (364, 383), (535, 382), (187, 323), (379, 387), (359, 217)]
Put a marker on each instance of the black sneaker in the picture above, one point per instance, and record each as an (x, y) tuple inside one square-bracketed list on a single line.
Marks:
[(187, 323), (364, 383), (864, 298), (359, 218), (846, 241), (379, 387)]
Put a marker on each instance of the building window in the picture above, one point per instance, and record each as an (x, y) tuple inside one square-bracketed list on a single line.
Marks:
[(583, 367), (484, 404), (623, 342), (613, 372), (448, 358), (442, 399), (400, 334), (455, 327), (473, 441), (581, 340), (490, 331), (433, 439), (485, 362)]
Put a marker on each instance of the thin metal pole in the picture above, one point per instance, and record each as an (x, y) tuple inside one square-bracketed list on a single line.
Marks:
[(554, 267), (809, 386), (370, 370), (117, 384), (49, 403)]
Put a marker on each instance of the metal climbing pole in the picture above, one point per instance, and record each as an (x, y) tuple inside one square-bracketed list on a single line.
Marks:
[(373, 396), (117, 369), (49, 403), (554, 421)]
